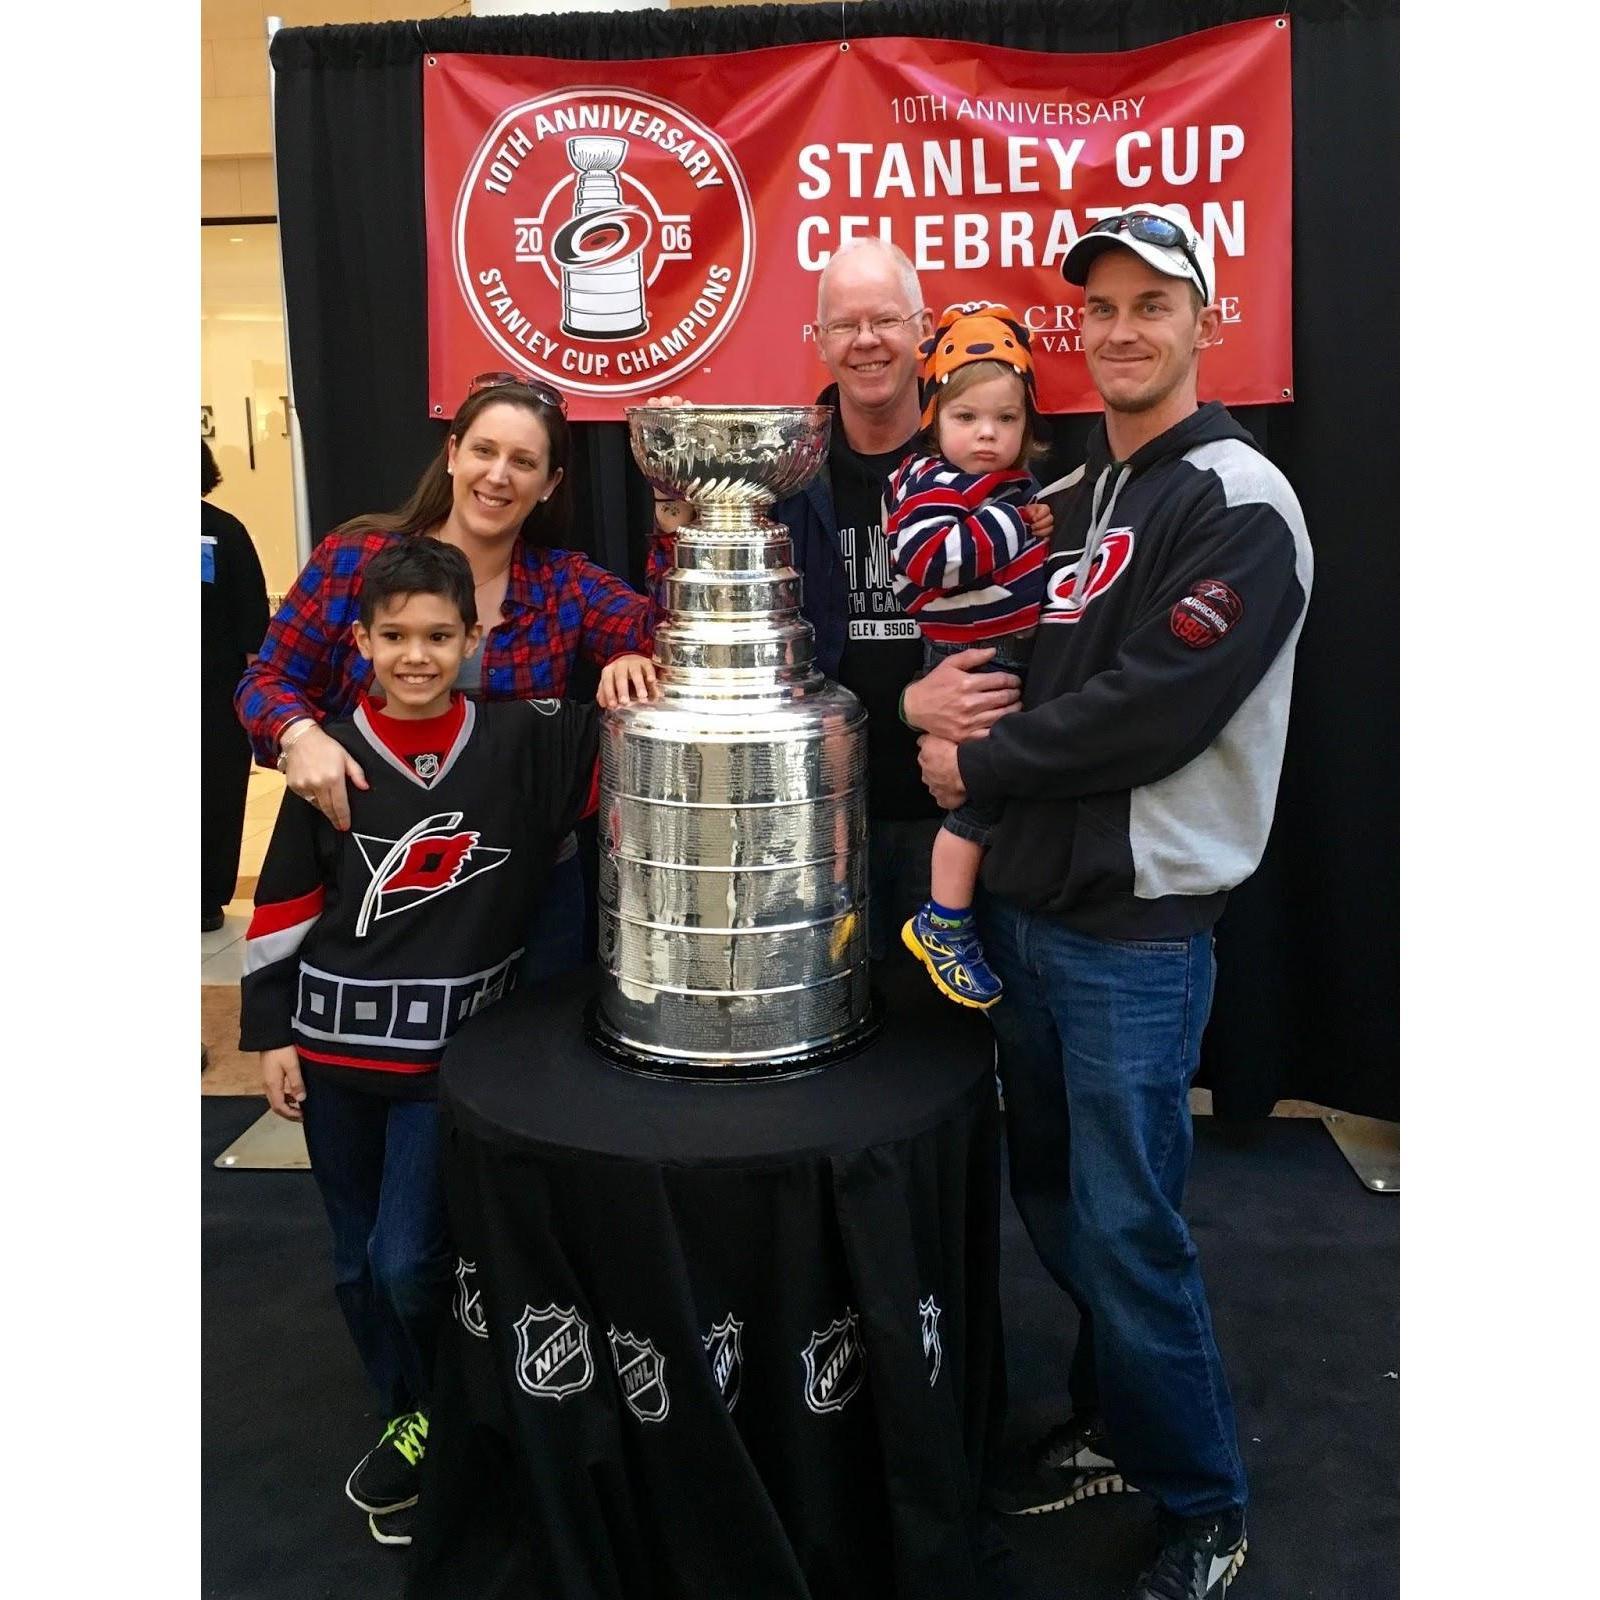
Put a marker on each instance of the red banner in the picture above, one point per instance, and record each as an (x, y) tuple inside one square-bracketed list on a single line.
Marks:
[(627, 228)]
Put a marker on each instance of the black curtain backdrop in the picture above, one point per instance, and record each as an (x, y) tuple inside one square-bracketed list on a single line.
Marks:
[(1307, 999)]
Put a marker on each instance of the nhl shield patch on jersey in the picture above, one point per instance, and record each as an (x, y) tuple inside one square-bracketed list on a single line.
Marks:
[(553, 1356), (1206, 614)]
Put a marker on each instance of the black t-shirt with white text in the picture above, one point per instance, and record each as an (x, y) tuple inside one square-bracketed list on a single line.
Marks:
[(883, 649)]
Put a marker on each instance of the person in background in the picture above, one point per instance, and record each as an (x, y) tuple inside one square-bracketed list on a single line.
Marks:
[(1138, 784), (498, 491), (233, 617)]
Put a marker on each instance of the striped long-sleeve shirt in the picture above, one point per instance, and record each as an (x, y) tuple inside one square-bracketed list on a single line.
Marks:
[(966, 564)]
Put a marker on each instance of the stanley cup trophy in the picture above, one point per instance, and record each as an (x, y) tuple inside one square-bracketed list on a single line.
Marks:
[(601, 250), (733, 811)]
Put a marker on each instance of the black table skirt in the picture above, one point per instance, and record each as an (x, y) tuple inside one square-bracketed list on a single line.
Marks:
[(715, 1339)]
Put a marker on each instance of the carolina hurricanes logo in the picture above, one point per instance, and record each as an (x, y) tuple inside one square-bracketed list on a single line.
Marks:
[(603, 239), (1061, 602), (1205, 614), (432, 858)]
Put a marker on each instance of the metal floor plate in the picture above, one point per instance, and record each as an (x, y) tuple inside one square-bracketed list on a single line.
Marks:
[(1371, 1146), (269, 1144)]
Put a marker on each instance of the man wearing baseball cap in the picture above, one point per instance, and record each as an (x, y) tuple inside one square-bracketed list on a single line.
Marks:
[(1138, 783)]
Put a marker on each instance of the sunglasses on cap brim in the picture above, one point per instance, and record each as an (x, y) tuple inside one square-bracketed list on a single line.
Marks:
[(514, 380), (1162, 232)]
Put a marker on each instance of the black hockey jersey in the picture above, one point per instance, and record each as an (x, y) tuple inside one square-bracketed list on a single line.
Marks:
[(368, 949)]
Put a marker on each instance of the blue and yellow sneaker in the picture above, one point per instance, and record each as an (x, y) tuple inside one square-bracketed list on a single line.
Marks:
[(954, 959)]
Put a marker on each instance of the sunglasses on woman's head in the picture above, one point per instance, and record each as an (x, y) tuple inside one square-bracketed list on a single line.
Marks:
[(514, 380)]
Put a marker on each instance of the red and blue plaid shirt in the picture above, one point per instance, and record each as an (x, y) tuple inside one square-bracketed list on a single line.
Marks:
[(559, 605)]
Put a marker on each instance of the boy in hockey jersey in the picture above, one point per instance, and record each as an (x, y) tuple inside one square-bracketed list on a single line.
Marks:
[(967, 544), (369, 948)]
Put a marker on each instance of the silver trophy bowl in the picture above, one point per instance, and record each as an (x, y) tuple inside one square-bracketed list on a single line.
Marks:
[(733, 811)]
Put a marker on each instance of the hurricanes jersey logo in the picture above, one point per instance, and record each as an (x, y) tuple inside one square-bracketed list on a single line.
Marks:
[(1062, 603), (431, 858)]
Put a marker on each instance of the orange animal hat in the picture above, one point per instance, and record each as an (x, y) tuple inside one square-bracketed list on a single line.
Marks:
[(976, 331)]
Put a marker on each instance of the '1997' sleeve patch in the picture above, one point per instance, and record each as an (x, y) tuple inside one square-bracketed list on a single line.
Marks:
[(1206, 613)]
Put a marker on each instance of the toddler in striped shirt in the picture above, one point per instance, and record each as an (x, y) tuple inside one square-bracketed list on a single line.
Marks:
[(967, 543)]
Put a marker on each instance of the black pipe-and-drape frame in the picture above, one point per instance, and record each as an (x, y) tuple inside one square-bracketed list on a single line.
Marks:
[(1307, 1002)]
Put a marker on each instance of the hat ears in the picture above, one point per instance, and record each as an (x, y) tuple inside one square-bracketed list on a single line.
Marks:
[(978, 330)]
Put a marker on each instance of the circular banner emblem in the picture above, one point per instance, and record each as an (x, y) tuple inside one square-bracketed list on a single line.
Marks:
[(603, 240)]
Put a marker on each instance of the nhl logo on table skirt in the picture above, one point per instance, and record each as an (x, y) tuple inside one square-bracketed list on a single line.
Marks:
[(834, 1364), (553, 1358), (642, 1372), (725, 1352), (468, 1303), (932, 1349)]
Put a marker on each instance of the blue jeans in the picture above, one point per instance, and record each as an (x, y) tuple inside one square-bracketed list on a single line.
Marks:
[(1098, 1040), (555, 936), (376, 1162)]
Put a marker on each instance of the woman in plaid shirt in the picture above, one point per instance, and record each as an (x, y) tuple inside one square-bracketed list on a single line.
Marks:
[(499, 492)]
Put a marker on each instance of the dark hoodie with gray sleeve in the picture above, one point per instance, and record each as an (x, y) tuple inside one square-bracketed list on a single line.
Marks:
[(1139, 778)]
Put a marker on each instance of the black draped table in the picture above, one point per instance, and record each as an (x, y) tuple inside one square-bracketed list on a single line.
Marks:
[(714, 1340)]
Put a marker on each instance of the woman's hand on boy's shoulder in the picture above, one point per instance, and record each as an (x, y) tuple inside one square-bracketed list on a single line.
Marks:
[(317, 768)]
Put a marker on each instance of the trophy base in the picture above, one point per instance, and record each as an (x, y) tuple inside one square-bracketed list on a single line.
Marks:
[(603, 333), (600, 1038)]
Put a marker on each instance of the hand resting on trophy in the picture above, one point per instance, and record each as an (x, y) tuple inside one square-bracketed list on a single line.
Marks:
[(626, 681)]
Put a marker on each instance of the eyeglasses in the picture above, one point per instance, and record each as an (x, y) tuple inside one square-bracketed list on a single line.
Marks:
[(500, 380), (1159, 231), (881, 327)]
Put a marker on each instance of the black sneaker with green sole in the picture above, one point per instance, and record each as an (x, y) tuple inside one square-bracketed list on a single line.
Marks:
[(386, 1477)]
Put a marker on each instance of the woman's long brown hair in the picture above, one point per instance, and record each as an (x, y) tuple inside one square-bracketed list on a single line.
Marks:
[(550, 521)]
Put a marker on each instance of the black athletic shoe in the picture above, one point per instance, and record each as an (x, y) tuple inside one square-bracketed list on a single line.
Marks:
[(386, 1477), (210, 921), (1200, 1557), (1068, 1464), (393, 1527)]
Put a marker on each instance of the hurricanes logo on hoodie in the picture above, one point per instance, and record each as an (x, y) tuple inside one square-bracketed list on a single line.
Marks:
[(1062, 603), (431, 858)]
